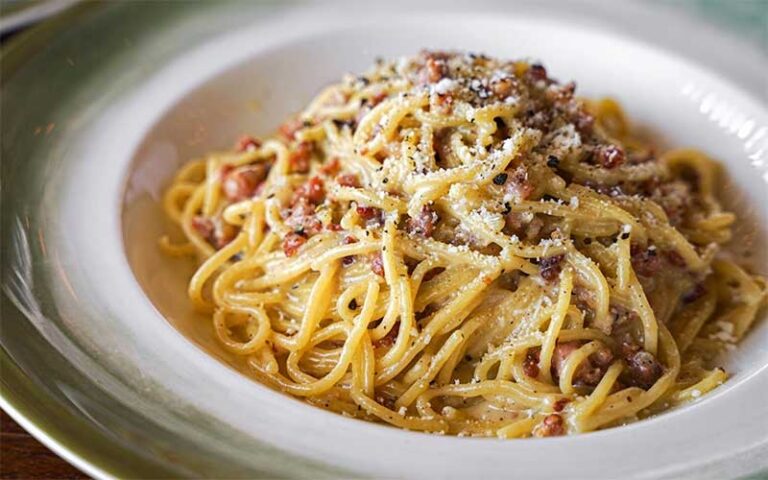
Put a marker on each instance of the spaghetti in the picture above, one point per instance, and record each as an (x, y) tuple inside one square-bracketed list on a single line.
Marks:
[(458, 245)]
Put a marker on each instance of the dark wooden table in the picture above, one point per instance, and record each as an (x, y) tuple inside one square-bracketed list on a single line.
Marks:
[(23, 457)]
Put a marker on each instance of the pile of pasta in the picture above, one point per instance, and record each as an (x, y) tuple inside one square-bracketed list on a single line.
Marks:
[(455, 244)]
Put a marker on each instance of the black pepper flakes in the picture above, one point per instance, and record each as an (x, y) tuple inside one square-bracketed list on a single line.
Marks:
[(500, 179), (553, 161)]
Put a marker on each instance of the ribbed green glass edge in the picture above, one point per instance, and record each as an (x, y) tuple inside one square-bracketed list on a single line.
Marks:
[(8, 8), (23, 45), (66, 432)]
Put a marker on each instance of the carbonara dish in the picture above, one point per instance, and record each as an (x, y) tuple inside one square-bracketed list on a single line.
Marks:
[(455, 244)]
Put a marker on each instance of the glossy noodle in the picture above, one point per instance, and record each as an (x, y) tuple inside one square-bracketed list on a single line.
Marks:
[(455, 244)]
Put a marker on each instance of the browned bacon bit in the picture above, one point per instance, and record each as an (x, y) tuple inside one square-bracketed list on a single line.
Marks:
[(224, 170), (203, 226), (246, 143), (622, 321), (436, 69), (584, 121), (289, 128), (694, 294), (644, 369), (389, 339), (531, 362), (590, 371), (550, 267), (551, 426), (223, 233), (301, 217), (609, 156), (216, 231), (377, 264), (534, 228), (645, 261), (243, 182), (292, 242), (603, 358), (560, 404), (442, 54), (537, 72), (444, 104), (331, 167), (518, 185), (348, 180), (299, 158), (334, 227), (376, 99), (349, 239), (313, 191), (560, 355), (367, 213), (627, 345), (424, 223)]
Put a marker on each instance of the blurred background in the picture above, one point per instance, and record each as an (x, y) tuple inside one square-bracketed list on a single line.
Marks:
[(745, 18)]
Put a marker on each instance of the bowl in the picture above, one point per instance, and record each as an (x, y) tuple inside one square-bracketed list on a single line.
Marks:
[(101, 329)]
